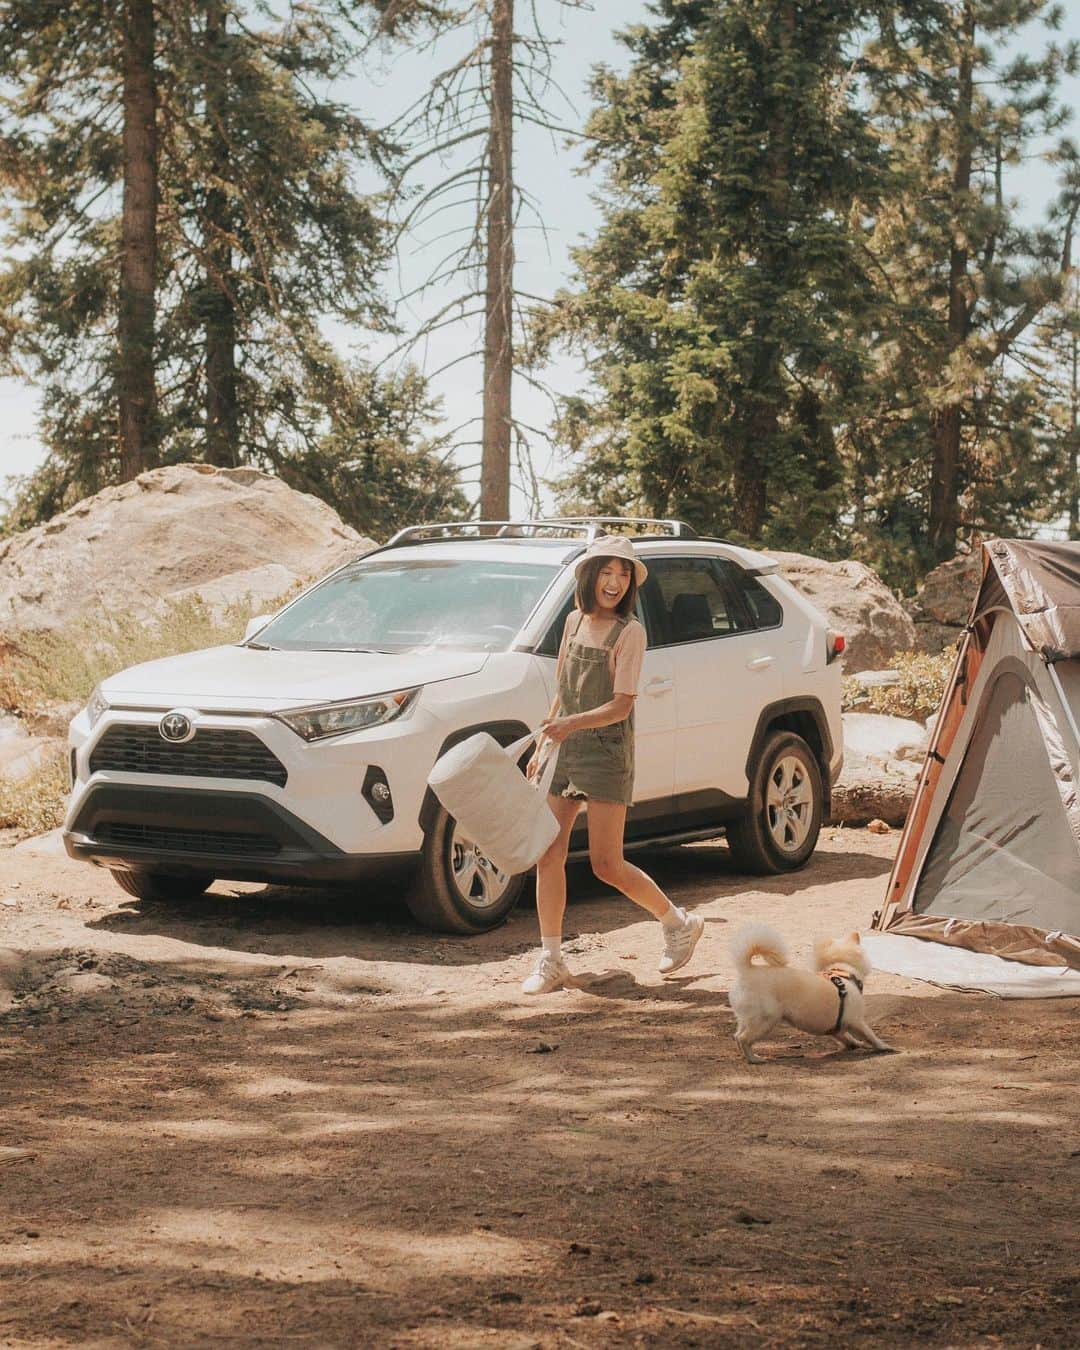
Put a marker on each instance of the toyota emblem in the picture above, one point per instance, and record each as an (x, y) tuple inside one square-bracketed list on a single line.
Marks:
[(176, 727)]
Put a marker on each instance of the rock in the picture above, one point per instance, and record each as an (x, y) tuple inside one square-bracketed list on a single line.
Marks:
[(81, 983), (857, 603), (949, 591), (882, 760), (878, 827), (49, 845), (879, 738), (933, 638), (184, 530), (20, 753)]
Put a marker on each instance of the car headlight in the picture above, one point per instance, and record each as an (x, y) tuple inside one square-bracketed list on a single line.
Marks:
[(96, 706), (335, 719)]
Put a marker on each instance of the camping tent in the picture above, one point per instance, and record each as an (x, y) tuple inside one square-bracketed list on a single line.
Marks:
[(989, 859)]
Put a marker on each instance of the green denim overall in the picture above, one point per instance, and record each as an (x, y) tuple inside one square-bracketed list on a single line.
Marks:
[(599, 761)]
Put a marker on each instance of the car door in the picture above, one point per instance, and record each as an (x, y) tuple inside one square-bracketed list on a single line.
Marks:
[(726, 670), (654, 718)]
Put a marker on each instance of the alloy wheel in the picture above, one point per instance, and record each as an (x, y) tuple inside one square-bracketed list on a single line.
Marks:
[(789, 803), (476, 878)]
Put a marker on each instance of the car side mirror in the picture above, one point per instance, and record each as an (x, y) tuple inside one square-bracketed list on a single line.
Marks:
[(253, 625)]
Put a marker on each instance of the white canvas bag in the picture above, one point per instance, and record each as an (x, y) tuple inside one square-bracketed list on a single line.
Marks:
[(479, 783)]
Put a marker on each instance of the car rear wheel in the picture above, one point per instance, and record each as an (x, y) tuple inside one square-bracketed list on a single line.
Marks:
[(779, 830), (145, 885), (457, 889)]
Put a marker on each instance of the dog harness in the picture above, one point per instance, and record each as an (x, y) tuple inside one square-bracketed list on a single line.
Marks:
[(839, 979)]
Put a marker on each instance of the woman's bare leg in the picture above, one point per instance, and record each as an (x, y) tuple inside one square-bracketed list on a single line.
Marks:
[(607, 820), (551, 869)]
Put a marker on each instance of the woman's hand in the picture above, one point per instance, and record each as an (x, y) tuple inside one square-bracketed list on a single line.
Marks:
[(532, 768), (556, 729)]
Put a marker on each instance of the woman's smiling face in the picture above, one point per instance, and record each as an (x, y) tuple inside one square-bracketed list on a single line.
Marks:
[(612, 582)]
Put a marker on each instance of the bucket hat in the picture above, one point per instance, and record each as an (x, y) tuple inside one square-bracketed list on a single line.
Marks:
[(613, 546)]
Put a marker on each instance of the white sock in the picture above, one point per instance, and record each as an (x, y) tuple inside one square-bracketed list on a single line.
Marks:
[(674, 918), (552, 947)]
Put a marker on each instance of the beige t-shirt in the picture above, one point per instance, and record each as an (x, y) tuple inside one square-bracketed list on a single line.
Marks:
[(627, 653)]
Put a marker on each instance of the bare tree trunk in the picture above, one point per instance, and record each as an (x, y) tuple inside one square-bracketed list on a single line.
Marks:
[(948, 422), (1074, 433), (222, 433), (498, 320), (761, 420), (138, 254)]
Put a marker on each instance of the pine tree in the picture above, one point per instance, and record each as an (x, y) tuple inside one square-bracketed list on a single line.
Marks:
[(259, 235), (709, 305), (953, 427)]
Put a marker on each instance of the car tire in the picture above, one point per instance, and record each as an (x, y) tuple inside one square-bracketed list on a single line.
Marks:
[(456, 889), (779, 829), (144, 885)]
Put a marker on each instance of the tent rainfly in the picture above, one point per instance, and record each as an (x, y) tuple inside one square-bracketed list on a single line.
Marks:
[(989, 858)]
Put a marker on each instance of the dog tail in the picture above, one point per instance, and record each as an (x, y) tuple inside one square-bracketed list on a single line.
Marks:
[(757, 939)]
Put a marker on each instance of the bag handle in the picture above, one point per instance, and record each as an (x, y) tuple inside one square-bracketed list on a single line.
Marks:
[(544, 780)]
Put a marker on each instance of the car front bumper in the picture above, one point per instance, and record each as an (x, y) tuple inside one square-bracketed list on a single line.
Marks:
[(232, 836)]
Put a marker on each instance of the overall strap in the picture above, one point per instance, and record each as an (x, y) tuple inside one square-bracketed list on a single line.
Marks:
[(616, 632), (580, 621)]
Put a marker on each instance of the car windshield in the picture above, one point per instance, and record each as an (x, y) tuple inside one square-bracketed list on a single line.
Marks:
[(396, 605)]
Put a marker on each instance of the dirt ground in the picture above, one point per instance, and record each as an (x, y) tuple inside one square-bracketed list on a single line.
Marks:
[(274, 1117)]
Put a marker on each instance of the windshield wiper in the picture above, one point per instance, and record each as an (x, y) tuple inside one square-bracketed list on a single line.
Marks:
[(260, 646), (366, 651)]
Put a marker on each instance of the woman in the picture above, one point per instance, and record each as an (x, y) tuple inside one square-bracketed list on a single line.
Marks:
[(591, 723)]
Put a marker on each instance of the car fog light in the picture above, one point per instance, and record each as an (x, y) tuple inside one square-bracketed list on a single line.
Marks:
[(376, 791)]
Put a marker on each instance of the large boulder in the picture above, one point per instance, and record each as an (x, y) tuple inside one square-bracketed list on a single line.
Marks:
[(941, 607), (883, 757), (857, 603), (949, 591), (223, 534)]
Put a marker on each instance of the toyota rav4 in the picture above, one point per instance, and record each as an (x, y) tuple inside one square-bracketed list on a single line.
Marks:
[(301, 754)]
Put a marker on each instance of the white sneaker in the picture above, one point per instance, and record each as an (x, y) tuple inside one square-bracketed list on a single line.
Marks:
[(549, 974), (679, 943)]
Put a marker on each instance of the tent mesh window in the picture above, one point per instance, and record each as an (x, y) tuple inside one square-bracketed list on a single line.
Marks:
[(1003, 850)]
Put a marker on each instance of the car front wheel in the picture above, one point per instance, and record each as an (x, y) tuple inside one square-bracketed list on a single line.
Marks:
[(457, 889), (779, 829), (144, 885)]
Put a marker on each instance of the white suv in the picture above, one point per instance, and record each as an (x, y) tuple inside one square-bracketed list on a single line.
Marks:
[(302, 753)]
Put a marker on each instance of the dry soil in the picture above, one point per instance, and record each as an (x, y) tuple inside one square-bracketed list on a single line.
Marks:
[(276, 1118)]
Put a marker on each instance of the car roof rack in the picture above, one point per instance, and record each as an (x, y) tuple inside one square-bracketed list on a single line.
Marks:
[(584, 528)]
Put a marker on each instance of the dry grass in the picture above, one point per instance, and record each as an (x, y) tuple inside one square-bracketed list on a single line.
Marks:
[(36, 803), (42, 672), (918, 695)]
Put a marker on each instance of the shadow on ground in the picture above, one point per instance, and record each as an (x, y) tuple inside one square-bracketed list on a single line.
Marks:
[(321, 922), (584, 1171)]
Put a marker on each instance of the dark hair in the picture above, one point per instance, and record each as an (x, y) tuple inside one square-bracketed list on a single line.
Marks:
[(585, 595)]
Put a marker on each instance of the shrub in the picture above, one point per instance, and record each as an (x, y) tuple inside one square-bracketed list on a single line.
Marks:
[(919, 691)]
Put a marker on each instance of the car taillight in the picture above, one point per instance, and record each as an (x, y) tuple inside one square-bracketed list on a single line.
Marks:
[(834, 645)]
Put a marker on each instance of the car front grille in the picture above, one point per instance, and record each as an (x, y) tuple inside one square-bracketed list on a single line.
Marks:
[(213, 752), (168, 838)]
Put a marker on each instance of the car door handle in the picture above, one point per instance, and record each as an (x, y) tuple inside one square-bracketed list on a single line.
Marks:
[(760, 663), (659, 686)]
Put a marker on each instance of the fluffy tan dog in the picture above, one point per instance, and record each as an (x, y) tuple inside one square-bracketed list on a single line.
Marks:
[(826, 1000)]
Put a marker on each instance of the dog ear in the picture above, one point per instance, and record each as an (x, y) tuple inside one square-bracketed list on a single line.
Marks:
[(854, 937)]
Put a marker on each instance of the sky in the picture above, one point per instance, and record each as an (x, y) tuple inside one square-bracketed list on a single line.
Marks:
[(548, 167)]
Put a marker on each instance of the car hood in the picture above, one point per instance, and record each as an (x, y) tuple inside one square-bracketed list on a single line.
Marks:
[(234, 677)]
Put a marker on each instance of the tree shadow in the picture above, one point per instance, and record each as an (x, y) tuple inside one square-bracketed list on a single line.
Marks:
[(422, 1175), (323, 922)]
